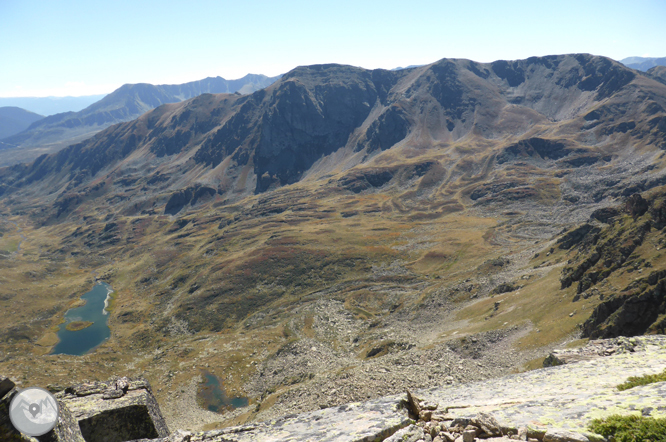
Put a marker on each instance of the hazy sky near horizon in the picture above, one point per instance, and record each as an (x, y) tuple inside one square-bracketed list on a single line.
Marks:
[(83, 48)]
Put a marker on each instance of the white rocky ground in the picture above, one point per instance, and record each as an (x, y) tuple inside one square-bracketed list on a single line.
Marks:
[(554, 404)]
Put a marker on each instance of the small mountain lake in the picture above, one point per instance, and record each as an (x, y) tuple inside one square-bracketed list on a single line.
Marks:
[(213, 397), (85, 327)]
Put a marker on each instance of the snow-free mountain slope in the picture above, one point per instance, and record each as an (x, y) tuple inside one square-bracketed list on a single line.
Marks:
[(643, 63), (124, 104), (14, 120)]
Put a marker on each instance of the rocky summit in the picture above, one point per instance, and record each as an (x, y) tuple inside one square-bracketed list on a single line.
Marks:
[(322, 245), (553, 404)]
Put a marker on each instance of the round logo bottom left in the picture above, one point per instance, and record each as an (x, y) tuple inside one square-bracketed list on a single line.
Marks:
[(34, 411)]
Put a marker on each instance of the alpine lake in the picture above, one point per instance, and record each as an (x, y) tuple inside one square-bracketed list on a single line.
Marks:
[(212, 396), (85, 327)]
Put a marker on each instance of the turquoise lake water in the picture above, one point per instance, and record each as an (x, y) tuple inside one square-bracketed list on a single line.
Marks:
[(82, 341), (214, 397)]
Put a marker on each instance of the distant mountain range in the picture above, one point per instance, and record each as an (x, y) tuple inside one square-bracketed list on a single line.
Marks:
[(51, 105), (399, 68), (275, 136), (124, 104), (643, 63), (658, 73), (14, 120)]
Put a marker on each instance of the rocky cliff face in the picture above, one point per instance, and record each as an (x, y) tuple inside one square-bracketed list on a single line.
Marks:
[(624, 244)]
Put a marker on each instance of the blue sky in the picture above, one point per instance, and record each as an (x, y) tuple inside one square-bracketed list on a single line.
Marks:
[(87, 47)]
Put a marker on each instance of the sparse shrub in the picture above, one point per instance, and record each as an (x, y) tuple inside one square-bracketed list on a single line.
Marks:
[(635, 381), (630, 428)]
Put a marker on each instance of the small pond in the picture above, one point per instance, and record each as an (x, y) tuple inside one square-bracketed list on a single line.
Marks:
[(80, 342), (213, 397)]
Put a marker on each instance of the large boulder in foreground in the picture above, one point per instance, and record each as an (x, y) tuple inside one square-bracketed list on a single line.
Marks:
[(121, 409)]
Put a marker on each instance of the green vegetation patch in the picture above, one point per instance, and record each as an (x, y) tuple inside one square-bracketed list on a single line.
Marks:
[(111, 303), (78, 325), (635, 381), (630, 428)]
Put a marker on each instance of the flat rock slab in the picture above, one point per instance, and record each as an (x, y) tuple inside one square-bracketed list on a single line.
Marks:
[(353, 422), (566, 396), (555, 402)]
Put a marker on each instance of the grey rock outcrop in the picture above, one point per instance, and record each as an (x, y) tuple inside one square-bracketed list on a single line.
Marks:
[(515, 407), (119, 410), (7, 430), (564, 436), (67, 429), (593, 350)]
